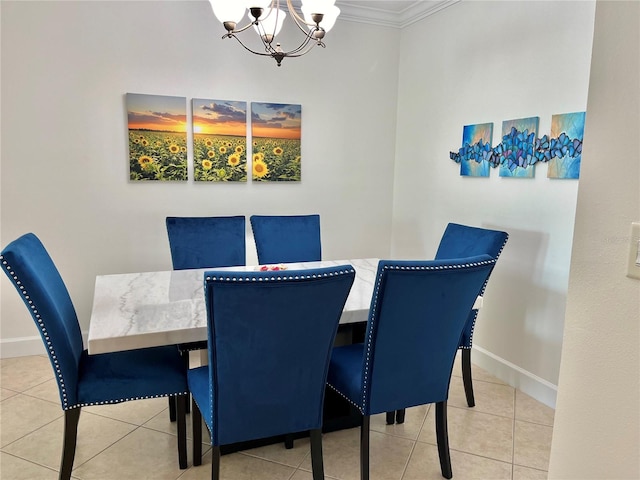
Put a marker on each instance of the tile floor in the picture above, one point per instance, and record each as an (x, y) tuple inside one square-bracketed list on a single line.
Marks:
[(506, 436)]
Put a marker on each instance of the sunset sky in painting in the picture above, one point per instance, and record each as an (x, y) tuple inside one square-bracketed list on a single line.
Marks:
[(219, 117), (156, 112), (276, 120)]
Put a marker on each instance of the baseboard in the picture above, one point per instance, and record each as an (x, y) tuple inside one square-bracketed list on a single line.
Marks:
[(24, 346), (534, 386), (21, 347)]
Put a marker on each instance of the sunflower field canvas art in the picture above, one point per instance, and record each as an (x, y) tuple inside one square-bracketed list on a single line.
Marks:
[(219, 140), (157, 137), (276, 133)]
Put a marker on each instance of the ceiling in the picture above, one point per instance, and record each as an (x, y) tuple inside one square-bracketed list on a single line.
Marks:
[(392, 13)]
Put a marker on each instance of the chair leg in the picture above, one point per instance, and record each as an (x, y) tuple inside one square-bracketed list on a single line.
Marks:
[(317, 466), (442, 436), (196, 421), (391, 418), (185, 358), (181, 404), (71, 418), (288, 441), (172, 408), (215, 462), (400, 415), (364, 447), (466, 376)]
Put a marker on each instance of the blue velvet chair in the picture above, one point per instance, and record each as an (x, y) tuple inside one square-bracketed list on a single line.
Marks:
[(287, 238), (84, 379), (270, 337), (418, 312), (204, 242), (463, 241)]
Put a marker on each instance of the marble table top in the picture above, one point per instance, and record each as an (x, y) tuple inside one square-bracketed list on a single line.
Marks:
[(138, 310)]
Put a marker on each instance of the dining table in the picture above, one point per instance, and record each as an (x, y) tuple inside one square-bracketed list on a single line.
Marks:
[(149, 309)]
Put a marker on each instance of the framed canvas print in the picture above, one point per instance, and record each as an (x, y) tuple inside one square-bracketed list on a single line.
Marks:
[(276, 132), (476, 151), (565, 145), (516, 151), (157, 137)]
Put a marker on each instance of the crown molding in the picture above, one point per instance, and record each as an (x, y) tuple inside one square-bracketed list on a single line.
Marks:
[(357, 12)]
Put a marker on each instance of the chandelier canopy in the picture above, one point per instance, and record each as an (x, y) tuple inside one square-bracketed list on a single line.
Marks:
[(315, 19)]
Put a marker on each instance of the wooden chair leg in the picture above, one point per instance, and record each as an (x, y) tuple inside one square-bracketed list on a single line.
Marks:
[(400, 415), (288, 441), (442, 436), (196, 421), (185, 358), (172, 408), (466, 376), (317, 465), (364, 447), (391, 418), (71, 418), (215, 462), (181, 404)]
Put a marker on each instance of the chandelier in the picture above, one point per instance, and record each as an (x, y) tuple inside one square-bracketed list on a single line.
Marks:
[(316, 19)]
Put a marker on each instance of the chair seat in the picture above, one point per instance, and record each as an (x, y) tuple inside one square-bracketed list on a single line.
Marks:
[(130, 375), (345, 372)]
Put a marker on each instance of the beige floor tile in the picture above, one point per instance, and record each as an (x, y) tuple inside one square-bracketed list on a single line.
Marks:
[(6, 393), (530, 410), (238, 466), (45, 391), (137, 412), (532, 445), (341, 452), (143, 454), (18, 469), (21, 415), (22, 373), (424, 464), (277, 452), (525, 473), (489, 397), (414, 419), (44, 446), (304, 475), (474, 432)]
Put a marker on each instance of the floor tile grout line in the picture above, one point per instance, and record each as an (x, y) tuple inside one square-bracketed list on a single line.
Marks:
[(30, 461)]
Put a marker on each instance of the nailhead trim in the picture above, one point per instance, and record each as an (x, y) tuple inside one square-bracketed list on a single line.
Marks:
[(280, 277), (346, 398), (43, 329), (126, 399), (54, 357)]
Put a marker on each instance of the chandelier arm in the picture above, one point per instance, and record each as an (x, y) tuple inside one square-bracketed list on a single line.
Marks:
[(305, 43), (299, 21), (268, 54)]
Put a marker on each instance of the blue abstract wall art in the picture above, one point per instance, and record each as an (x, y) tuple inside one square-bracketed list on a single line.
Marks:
[(476, 151), (520, 148)]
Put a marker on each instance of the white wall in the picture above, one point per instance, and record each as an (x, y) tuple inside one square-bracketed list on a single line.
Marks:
[(478, 62), (65, 69), (597, 423)]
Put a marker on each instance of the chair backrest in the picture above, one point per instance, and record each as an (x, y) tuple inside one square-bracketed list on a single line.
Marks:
[(32, 271), (417, 314), (206, 242), (271, 335), (287, 238), (464, 241)]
